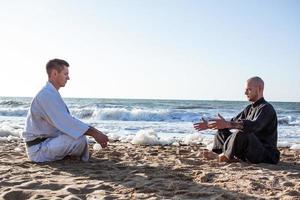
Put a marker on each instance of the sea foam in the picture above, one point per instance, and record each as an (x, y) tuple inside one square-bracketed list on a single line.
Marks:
[(194, 138), (295, 147), (9, 129), (283, 144), (149, 137)]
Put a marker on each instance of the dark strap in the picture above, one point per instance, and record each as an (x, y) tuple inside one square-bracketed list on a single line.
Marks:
[(35, 142)]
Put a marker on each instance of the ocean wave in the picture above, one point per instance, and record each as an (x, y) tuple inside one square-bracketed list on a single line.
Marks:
[(288, 121), (135, 114), (13, 112), (83, 113), (123, 114), (10, 129), (11, 103), (194, 107)]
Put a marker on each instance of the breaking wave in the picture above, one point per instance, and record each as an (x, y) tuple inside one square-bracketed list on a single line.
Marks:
[(135, 114)]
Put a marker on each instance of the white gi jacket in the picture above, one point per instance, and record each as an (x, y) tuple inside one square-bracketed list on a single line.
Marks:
[(49, 117)]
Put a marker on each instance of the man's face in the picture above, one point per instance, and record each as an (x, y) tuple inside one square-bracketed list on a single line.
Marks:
[(251, 91), (62, 77)]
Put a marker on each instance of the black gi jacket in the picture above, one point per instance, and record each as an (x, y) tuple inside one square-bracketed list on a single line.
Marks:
[(260, 119)]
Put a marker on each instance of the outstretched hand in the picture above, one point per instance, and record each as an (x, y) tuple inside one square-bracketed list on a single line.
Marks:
[(201, 125), (219, 123)]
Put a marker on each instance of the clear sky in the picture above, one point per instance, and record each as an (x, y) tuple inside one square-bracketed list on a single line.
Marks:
[(157, 49)]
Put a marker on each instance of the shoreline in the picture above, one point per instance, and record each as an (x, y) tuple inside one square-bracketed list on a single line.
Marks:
[(126, 171)]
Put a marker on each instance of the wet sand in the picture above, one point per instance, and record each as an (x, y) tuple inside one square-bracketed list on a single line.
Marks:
[(126, 171)]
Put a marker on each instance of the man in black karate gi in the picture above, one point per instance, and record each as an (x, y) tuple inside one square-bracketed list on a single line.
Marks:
[(255, 138)]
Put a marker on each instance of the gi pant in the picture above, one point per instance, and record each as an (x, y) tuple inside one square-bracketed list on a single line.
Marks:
[(58, 147), (244, 146)]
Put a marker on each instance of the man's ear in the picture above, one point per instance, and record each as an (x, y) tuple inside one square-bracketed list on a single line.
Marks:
[(261, 88), (54, 72)]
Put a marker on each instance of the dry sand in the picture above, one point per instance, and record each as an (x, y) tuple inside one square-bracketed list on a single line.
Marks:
[(125, 171)]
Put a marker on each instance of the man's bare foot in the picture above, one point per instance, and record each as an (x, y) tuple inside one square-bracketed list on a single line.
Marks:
[(210, 155), (223, 158)]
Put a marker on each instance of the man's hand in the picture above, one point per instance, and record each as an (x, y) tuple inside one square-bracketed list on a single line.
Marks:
[(101, 138), (220, 123), (201, 125)]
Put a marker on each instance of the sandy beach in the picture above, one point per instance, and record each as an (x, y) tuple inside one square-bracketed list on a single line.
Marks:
[(126, 171)]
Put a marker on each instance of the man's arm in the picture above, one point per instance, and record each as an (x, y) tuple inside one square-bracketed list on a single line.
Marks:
[(221, 123), (55, 112), (101, 138), (236, 125)]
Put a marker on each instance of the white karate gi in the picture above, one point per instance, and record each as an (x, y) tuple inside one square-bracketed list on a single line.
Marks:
[(49, 117)]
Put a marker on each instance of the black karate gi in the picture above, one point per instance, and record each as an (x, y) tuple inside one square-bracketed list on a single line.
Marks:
[(257, 141)]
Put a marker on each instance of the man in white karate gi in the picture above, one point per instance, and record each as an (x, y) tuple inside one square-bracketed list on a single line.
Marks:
[(51, 133)]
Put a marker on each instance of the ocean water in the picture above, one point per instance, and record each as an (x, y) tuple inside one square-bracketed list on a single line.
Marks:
[(163, 119)]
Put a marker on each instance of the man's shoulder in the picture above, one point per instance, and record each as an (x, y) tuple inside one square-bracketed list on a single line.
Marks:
[(45, 94), (267, 106), (267, 103)]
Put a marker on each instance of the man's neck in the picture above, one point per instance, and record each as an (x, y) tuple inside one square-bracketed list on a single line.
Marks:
[(257, 101), (54, 84)]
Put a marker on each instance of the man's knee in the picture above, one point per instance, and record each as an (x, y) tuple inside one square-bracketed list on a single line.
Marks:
[(242, 137), (254, 150), (81, 141), (74, 141), (65, 144), (219, 140)]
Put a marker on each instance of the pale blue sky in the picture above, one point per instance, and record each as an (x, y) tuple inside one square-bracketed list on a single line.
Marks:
[(157, 49)]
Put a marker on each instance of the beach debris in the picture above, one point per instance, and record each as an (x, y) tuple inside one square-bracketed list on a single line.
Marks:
[(18, 149), (97, 147)]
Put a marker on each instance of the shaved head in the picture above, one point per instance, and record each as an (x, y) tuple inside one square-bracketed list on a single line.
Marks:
[(256, 81), (254, 88)]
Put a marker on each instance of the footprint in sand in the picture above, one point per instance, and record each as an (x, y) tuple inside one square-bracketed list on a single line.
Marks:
[(15, 194), (38, 185), (207, 178), (288, 184), (293, 193)]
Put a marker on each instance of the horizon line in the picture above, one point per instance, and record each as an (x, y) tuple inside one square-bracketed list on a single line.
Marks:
[(161, 99)]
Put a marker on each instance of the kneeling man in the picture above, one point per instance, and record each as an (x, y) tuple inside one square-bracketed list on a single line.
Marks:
[(51, 133)]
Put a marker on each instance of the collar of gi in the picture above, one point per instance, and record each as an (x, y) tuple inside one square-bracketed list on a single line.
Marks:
[(259, 101)]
